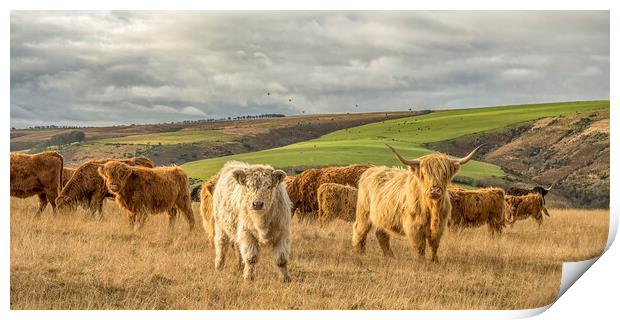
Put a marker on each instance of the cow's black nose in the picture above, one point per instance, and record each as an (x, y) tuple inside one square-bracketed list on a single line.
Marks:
[(257, 205)]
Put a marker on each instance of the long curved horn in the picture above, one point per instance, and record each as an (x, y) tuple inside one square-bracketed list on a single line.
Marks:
[(403, 160), (554, 182), (468, 157)]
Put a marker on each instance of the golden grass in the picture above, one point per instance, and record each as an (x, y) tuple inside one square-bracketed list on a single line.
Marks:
[(72, 261)]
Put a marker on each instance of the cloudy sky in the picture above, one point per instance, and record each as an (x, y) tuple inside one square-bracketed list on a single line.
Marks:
[(101, 68)]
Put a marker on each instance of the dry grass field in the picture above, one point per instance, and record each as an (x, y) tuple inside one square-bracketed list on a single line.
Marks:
[(72, 261)]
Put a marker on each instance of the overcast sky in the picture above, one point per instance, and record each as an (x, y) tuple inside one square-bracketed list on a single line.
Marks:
[(100, 68)]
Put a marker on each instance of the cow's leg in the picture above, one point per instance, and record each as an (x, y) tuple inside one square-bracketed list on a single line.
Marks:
[(239, 257), (131, 218), (361, 227), (417, 238), (140, 220), (96, 205), (185, 205), (539, 220), (172, 218), (221, 242), (384, 241), (280, 257), (51, 195), (249, 252), (98, 210), (433, 243), (42, 204), (434, 239)]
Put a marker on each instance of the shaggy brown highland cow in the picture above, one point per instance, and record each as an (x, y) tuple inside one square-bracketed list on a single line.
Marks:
[(39, 174), (302, 189), (336, 201), (523, 207), (473, 208), (142, 191), (410, 202), (87, 188)]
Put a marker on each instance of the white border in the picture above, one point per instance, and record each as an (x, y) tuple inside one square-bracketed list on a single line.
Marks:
[(602, 290)]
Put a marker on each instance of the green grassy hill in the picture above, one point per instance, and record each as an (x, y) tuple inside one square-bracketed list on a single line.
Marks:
[(366, 144)]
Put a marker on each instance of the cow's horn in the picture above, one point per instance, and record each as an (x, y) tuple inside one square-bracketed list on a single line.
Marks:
[(98, 164), (470, 155), (403, 160), (554, 182)]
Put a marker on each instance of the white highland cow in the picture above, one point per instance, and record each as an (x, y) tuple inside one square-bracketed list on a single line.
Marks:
[(252, 209)]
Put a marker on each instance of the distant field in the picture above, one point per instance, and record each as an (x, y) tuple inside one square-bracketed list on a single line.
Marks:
[(71, 261), (183, 136), (366, 144)]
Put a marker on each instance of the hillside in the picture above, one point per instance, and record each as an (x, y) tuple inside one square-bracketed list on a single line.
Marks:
[(415, 136), (571, 150), (182, 142)]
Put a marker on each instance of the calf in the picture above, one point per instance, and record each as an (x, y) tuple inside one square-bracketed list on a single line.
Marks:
[(523, 207), (142, 191), (336, 201), (251, 209), (473, 208), (302, 189)]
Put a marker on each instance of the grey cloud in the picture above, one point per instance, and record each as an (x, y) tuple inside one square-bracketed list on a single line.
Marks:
[(131, 67)]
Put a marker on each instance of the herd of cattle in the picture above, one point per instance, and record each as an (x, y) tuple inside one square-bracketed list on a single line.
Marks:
[(247, 207)]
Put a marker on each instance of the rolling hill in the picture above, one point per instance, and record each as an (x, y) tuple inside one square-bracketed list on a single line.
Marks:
[(366, 143)]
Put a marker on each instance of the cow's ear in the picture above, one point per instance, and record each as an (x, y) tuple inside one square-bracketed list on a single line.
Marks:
[(239, 175), (277, 177)]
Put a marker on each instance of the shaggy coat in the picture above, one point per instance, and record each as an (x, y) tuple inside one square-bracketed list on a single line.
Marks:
[(88, 189), (141, 191), (302, 189), (523, 207), (473, 208), (410, 202), (39, 174), (206, 208), (252, 210), (336, 201)]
